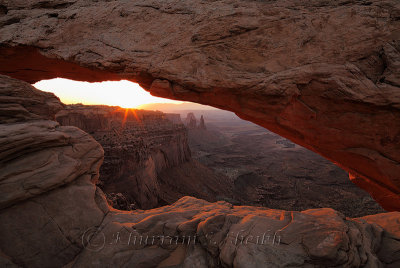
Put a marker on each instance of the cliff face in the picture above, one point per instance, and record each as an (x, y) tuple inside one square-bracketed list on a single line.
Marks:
[(53, 215), (175, 118), (47, 176), (138, 146), (324, 74), (147, 161)]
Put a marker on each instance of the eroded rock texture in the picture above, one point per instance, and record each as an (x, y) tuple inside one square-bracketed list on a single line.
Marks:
[(18, 102), (53, 215), (324, 74), (146, 156), (47, 174), (38, 155), (195, 233)]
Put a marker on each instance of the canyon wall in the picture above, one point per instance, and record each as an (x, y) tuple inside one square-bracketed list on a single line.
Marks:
[(53, 215), (324, 74), (146, 155)]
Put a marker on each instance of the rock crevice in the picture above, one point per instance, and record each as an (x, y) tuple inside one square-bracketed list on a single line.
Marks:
[(70, 223), (322, 74)]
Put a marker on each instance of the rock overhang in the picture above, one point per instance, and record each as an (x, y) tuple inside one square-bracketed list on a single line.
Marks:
[(325, 75)]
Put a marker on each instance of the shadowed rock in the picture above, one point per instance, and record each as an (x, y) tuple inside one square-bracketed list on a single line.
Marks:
[(47, 175), (202, 124), (39, 155), (66, 220), (191, 121), (18, 102), (324, 74), (147, 158)]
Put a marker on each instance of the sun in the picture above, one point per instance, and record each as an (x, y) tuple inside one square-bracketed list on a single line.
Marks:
[(122, 93)]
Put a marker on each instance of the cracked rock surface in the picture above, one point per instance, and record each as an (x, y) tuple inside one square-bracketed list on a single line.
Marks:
[(62, 218), (324, 74), (46, 180)]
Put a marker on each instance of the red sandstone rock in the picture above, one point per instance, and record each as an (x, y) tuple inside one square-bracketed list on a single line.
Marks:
[(19, 102), (324, 74), (65, 220), (38, 155), (47, 174)]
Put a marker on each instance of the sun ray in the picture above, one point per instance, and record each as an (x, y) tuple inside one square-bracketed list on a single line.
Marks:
[(125, 117), (136, 116)]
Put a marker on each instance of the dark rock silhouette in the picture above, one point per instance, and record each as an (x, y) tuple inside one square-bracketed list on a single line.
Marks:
[(202, 124), (191, 121)]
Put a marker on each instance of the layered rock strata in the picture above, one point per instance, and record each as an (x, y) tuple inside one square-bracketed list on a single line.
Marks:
[(147, 157), (324, 74), (47, 175), (53, 215)]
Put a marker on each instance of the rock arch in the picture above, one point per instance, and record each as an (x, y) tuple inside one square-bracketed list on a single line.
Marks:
[(323, 74)]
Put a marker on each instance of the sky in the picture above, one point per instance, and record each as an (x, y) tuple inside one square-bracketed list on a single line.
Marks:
[(113, 93)]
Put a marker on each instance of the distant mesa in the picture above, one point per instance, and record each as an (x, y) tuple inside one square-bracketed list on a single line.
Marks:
[(174, 118), (191, 122)]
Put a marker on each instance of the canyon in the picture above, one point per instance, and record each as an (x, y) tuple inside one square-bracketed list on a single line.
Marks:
[(264, 169), (53, 214), (322, 74), (147, 159), (148, 162)]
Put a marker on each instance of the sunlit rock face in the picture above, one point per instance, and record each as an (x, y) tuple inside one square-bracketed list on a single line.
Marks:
[(53, 215), (324, 74)]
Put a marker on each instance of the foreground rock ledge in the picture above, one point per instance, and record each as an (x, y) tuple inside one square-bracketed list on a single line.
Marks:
[(324, 74), (195, 233), (54, 215)]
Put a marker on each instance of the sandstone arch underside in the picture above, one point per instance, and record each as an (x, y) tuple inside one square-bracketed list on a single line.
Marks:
[(325, 74)]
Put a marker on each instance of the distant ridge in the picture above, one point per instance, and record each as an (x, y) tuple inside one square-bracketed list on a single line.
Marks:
[(165, 107)]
